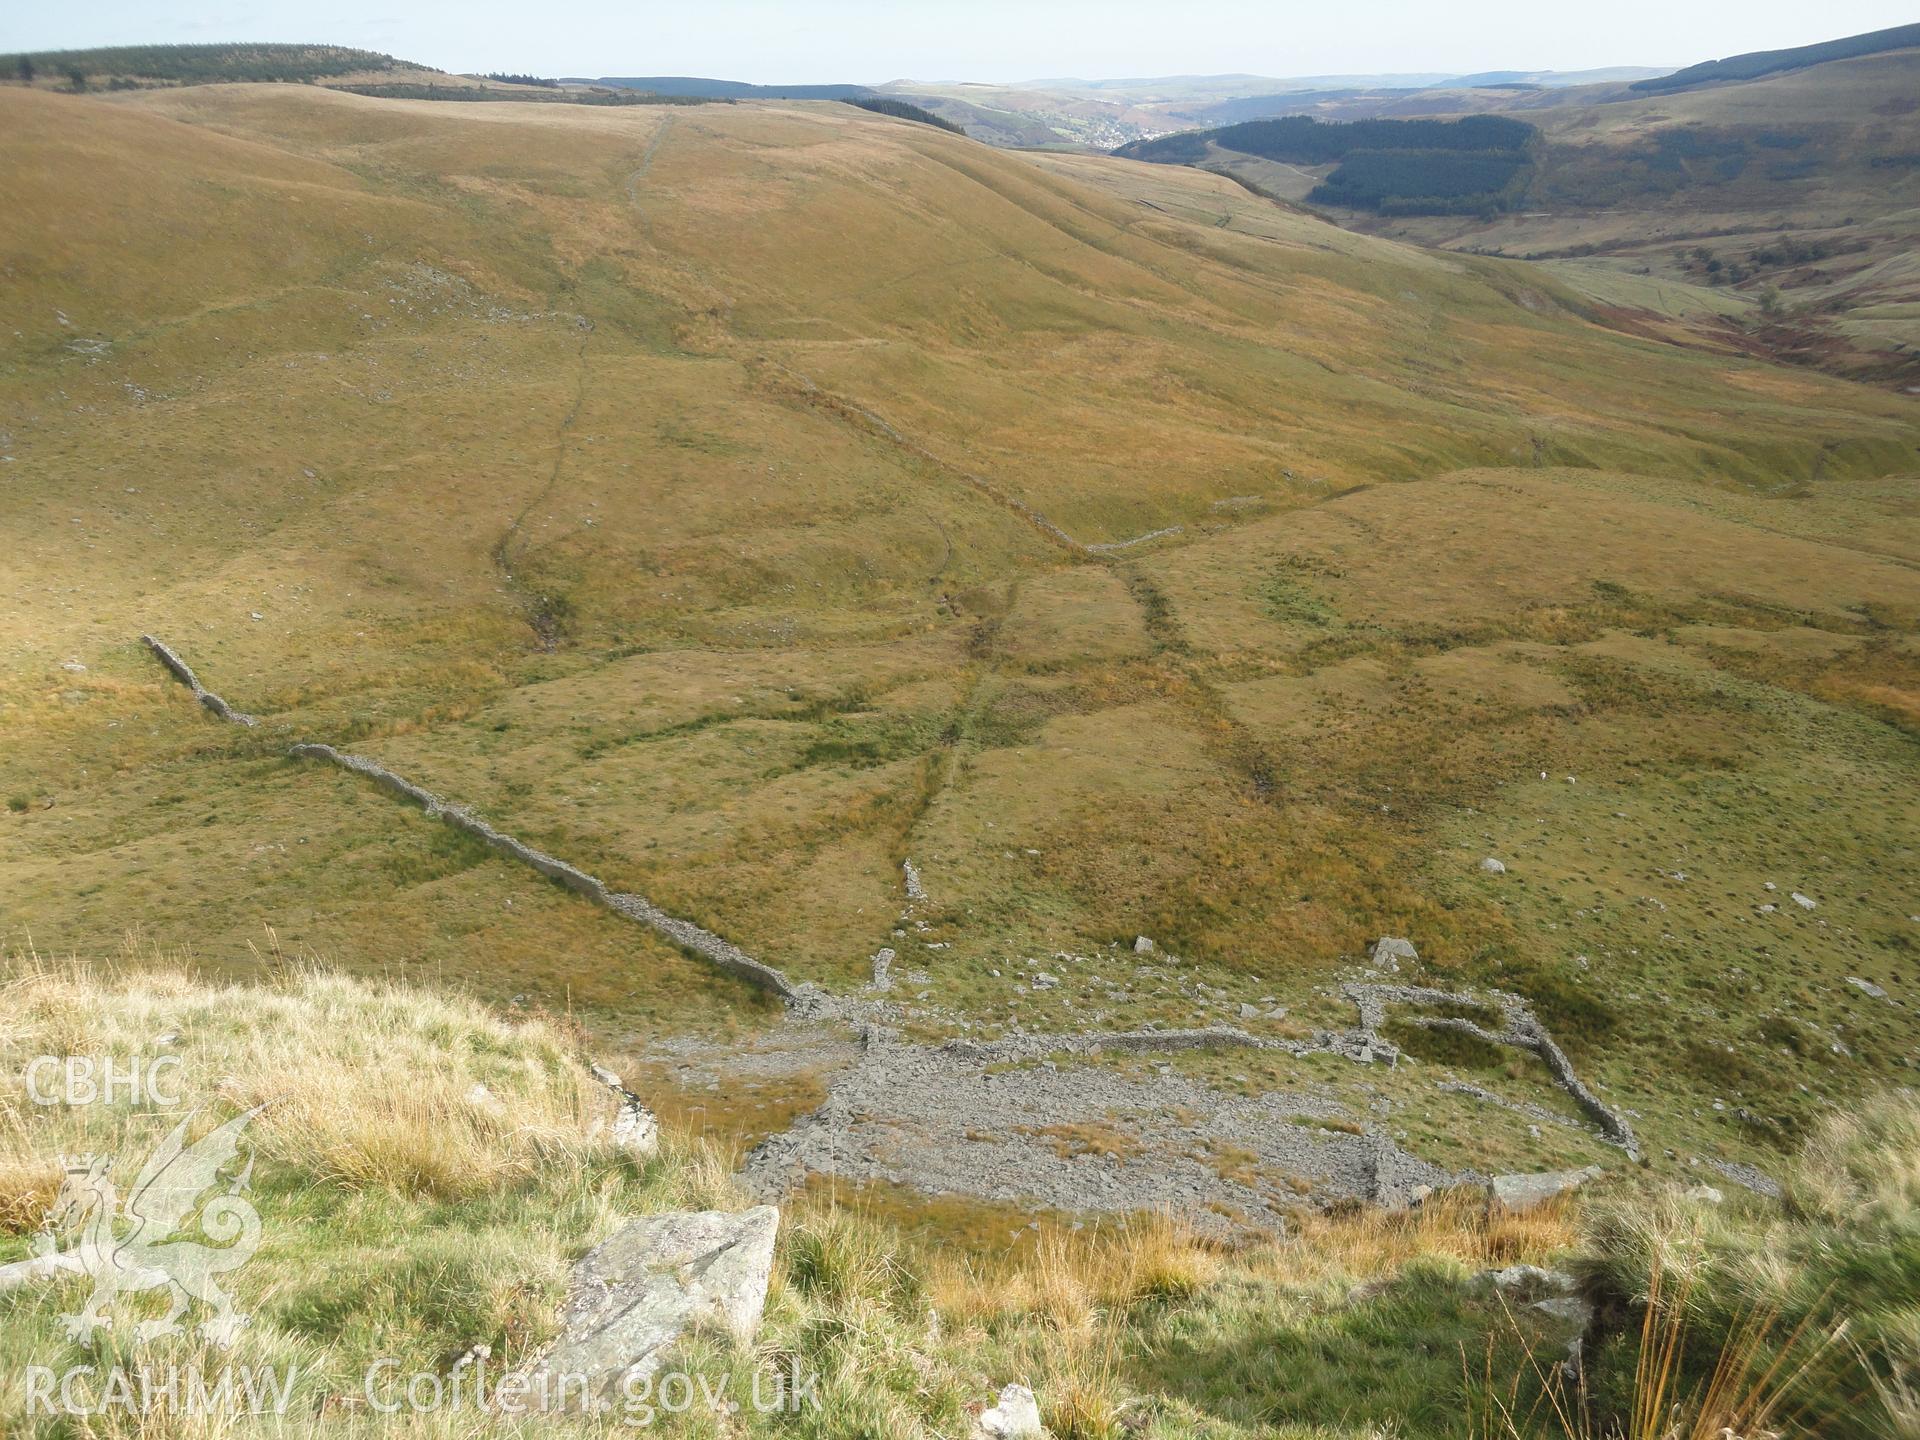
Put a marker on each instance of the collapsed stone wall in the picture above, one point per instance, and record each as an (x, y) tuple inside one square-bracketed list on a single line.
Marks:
[(683, 933), (183, 672), (1364, 1043), (1521, 1029)]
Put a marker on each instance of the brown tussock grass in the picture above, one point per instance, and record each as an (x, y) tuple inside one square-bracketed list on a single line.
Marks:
[(372, 1088), (1070, 1277), (1454, 1224)]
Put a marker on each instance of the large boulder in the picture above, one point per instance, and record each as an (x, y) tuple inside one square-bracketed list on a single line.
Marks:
[(1390, 950), (1517, 1194), (644, 1287)]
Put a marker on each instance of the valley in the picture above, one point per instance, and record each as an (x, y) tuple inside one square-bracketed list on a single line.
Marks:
[(1020, 687)]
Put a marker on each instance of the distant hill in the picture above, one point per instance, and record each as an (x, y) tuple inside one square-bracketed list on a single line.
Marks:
[(1770, 62), (904, 110), (522, 94), (706, 89), (1395, 167), (200, 64), (1553, 79)]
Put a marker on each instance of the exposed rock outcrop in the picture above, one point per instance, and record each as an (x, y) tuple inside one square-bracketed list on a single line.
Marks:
[(638, 1292), (636, 1129), (1517, 1194)]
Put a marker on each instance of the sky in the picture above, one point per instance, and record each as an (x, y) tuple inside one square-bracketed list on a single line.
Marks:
[(872, 41)]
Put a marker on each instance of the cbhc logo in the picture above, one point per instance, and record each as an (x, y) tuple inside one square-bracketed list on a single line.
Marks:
[(100, 1079)]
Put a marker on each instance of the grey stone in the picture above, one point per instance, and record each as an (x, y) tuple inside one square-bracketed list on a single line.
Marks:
[(1015, 1417), (1142, 945), (1803, 901), (1390, 950), (1867, 987), (1492, 866), (721, 953), (643, 1288), (1566, 1307), (1517, 1194), (636, 1129), (1529, 1279)]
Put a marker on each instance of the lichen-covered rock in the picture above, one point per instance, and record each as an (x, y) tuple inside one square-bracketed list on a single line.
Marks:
[(644, 1287), (636, 1129), (1390, 950), (1517, 1194), (1529, 1280)]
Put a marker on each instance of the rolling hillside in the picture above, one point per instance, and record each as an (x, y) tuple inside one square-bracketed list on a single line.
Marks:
[(1773, 215), (743, 501)]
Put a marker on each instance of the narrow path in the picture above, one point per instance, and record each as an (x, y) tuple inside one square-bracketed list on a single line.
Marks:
[(545, 614), (872, 423), (640, 171), (1232, 742)]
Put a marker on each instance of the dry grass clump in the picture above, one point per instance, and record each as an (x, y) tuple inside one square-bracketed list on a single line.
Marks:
[(1755, 1319), (1451, 1224), (365, 1086), (1069, 1277)]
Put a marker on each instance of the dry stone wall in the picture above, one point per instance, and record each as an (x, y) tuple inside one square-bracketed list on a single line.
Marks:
[(704, 944)]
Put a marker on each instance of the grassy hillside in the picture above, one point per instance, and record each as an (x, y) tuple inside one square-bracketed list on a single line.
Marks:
[(1787, 202), (1483, 163), (425, 1170), (710, 497), (1767, 207), (1754, 64)]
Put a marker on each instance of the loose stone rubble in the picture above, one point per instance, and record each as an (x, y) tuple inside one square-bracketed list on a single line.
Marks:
[(1011, 1121)]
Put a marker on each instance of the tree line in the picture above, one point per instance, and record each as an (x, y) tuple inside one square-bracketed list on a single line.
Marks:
[(1481, 164), (901, 110), (196, 64), (1756, 63)]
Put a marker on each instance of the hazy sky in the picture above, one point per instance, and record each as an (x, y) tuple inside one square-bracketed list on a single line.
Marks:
[(871, 41)]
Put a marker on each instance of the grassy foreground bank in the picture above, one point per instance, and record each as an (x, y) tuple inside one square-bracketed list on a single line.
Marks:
[(426, 1170)]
